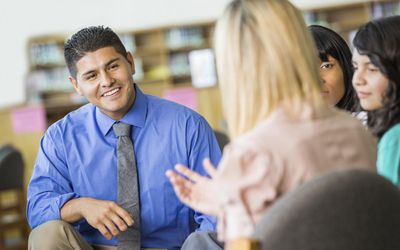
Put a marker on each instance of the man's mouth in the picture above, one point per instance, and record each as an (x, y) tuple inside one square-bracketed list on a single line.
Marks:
[(111, 92)]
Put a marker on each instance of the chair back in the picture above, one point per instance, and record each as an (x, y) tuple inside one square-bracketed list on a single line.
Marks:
[(11, 168), (12, 200), (347, 210)]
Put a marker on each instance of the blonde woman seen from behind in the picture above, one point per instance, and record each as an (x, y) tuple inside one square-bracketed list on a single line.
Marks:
[(282, 132)]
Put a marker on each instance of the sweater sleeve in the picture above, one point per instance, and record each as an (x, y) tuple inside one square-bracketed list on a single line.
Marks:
[(250, 181)]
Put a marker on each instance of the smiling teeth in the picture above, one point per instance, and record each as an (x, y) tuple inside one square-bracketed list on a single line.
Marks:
[(111, 92)]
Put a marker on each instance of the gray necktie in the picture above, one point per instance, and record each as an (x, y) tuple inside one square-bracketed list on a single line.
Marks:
[(128, 188)]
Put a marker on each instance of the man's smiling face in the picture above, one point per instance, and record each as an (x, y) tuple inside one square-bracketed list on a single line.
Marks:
[(104, 77)]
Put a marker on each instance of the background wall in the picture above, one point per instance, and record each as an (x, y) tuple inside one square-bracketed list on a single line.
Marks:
[(20, 20)]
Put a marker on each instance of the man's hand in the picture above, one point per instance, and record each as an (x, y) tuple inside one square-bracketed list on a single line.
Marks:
[(106, 216)]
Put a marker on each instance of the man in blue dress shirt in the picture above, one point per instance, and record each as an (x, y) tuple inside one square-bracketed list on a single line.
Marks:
[(74, 181)]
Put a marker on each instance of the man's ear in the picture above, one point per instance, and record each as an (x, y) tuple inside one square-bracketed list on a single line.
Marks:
[(129, 57), (75, 84)]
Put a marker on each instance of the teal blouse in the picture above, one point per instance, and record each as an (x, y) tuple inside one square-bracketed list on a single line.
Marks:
[(389, 155)]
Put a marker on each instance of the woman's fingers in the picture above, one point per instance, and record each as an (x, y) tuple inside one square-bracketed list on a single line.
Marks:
[(191, 175), (182, 187), (209, 167)]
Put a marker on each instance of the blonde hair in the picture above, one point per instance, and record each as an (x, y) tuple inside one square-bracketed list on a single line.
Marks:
[(265, 58)]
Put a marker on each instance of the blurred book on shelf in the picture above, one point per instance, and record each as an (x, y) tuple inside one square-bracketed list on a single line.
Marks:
[(38, 81), (46, 55), (316, 18), (383, 9), (179, 65), (157, 72), (184, 37)]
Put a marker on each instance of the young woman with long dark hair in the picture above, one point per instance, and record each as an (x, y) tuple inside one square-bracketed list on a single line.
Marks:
[(376, 61)]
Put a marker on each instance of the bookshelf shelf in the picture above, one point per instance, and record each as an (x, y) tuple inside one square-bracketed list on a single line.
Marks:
[(46, 66), (150, 80), (149, 52), (187, 49)]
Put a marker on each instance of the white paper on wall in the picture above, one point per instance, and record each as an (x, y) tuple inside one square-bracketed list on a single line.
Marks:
[(202, 68)]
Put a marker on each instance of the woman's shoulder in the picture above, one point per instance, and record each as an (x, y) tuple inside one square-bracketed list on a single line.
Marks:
[(348, 119), (280, 132), (391, 136), (395, 130)]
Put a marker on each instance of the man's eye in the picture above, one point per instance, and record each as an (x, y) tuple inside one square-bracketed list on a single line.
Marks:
[(91, 77), (114, 66)]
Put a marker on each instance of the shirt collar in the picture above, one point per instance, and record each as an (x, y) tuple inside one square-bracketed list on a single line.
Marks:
[(136, 115)]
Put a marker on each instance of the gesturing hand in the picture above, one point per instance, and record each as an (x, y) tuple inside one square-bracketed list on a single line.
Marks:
[(198, 192), (106, 216)]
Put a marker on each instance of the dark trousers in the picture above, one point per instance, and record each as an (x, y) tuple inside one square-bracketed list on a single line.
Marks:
[(206, 240)]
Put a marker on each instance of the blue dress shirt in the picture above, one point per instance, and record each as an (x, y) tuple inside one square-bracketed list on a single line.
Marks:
[(78, 158)]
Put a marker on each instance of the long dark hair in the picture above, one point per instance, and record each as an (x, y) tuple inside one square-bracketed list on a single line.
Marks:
[(380, 41), (330, 43)]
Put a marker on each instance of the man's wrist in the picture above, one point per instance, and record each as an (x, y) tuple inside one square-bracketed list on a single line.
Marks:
[(80, 203), (73, 210)]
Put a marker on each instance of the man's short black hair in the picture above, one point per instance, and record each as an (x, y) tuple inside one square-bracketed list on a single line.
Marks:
[(88, 40)]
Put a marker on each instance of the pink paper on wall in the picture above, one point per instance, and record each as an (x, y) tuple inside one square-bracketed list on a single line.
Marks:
[(185, 96), (28, 119)]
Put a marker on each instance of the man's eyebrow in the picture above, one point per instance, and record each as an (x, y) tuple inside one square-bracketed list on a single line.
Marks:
[(88, 72), (107, 64), (112, 61)]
